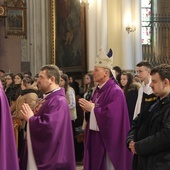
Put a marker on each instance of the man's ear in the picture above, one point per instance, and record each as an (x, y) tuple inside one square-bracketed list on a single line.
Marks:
[(166, 82), (107, 72), (149, 70), (52, 78)]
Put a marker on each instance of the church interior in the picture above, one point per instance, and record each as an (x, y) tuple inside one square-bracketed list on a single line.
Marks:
[(69, 34), (134, 30)]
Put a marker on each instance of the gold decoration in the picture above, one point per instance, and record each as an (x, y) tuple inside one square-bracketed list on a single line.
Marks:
[(2, 11)]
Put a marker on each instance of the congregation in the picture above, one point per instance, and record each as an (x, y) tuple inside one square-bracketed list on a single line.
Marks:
[(113, 120)]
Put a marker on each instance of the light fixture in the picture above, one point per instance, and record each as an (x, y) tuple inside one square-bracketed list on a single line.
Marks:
[(130, 29), (84, 3)]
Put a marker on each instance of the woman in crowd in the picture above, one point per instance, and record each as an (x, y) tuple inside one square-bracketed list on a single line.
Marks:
[(9, 87), (70, 96), (75, 85), (28, 95), (130, 90), (34, 85), (118, 72), (16, 89), (136, 80), (88, 91)]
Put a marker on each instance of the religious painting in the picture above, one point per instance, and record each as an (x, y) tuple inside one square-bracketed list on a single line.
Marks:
[(15, 23), (68, 30)]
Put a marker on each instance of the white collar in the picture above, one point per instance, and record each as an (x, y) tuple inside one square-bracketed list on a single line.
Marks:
[(48, 93)]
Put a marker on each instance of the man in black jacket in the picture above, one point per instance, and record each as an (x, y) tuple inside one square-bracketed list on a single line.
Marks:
[(149, 137)]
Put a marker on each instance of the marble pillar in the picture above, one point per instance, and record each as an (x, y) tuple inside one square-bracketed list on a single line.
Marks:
[(96, 30), (127, 38), (138, 36), (37, 44)]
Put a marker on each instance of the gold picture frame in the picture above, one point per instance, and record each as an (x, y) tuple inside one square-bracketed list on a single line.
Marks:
[(68, 39), (15, 22)]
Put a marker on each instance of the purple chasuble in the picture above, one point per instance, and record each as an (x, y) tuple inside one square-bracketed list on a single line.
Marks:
[(51, 134), (8, 151), (113, 121)]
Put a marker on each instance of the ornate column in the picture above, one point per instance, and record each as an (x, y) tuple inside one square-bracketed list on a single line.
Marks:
[(96, 30), (102, 24), (127, 39), (137, 34), (37, 44), (115, 30)]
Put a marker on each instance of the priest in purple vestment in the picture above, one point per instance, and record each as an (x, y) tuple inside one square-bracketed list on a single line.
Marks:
[(8, 151), (49, 130), (108, 125)]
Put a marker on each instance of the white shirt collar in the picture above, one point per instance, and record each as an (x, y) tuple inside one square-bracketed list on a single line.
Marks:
[(46, 94)]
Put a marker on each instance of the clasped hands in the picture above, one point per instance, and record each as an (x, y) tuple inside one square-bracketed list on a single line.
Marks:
[(132, 147), (26, 111), (86, 105)]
